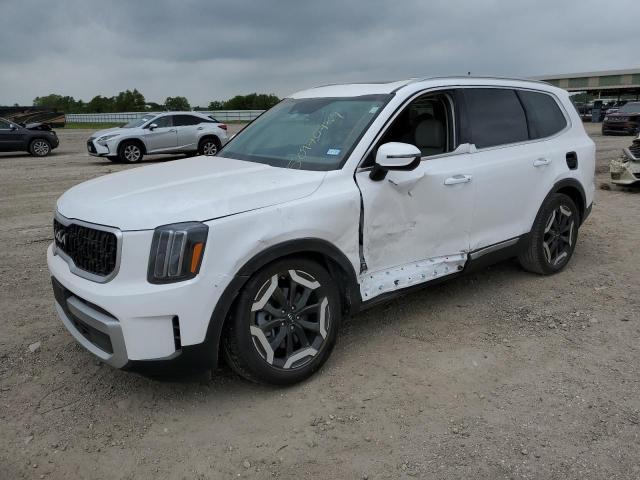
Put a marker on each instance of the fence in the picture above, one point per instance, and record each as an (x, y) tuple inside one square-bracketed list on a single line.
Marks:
[(124, 117)]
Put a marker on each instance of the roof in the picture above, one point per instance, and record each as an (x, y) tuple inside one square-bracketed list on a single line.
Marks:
[(378, 88)]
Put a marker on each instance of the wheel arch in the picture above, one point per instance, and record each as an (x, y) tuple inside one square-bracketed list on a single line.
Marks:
[(573, 189), (137, 140), (322, 251), (207, 136)]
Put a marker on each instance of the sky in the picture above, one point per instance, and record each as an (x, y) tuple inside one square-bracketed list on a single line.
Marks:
[(212, 50)]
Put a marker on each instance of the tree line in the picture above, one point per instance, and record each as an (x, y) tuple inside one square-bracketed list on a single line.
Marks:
[(134, 101)]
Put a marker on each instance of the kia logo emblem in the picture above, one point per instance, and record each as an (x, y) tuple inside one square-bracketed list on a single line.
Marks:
[(61, 237)]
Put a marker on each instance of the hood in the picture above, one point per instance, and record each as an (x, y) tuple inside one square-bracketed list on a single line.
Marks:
[(38, 126), (118, 130), (195, 189)]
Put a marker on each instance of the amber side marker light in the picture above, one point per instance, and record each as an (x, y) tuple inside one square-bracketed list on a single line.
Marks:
[(195, 257)]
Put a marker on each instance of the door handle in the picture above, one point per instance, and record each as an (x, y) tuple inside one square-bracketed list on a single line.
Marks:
[(200, 128), (457, 179), (173, 130), (541, 162)]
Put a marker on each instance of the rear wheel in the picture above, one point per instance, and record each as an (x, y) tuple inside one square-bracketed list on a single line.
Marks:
[(130, 152), (209, 146), (553, 236), (39, 147), (285, 324)]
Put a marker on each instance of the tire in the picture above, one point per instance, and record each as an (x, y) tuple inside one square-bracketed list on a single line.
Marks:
[(553, 236), (209, 146), (39, 147), (130, 152), (263, 341)]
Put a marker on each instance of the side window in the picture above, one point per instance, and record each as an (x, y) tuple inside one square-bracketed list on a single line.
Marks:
[(162, 122), (4, 125), (427, 123), (544, 114), (496, 117), (185, 120)]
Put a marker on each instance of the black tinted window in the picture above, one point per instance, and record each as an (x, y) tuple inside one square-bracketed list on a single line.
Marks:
[(182, 120), (496, 116), (162, 122), (544, 115), (4, 124)]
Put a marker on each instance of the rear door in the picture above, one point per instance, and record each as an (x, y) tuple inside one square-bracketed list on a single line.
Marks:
[(187, 127), (163, 137), (514, 168)]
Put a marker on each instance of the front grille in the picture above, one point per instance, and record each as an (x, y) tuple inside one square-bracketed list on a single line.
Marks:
[(94, 251), (90, 146)]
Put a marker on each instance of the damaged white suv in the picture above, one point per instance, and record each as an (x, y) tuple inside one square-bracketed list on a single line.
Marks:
[(337, 198)]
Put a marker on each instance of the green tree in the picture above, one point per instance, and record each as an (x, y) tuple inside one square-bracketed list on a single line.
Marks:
[(252, 101), (61, 103), (216, 105), (177, 104), (130, 101), (100, 104)]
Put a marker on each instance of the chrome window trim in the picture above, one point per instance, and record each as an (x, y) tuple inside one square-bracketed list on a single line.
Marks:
[(72, 266)]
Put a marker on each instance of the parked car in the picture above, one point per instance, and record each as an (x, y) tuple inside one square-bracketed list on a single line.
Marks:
[(625, 170), (337, 198), (626, 120), (36, 138), (170, 132)]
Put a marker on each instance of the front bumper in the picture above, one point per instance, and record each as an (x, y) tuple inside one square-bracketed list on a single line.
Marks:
[(624, 171), (626, 128), (97, 150), (128, 322), (95, 330)]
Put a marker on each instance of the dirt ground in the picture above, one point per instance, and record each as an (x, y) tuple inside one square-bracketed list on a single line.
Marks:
[(500, 374)]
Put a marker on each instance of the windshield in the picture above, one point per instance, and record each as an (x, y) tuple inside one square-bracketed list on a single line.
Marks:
[(138, 122), (630, 108), (308, 133)]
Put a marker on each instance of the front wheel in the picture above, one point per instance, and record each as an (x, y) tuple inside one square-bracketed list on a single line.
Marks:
[(553, 237), (39, 147), (130, 152), (285, 324)]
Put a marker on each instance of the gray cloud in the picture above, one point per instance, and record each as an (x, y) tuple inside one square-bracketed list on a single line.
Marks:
[(208, 50)]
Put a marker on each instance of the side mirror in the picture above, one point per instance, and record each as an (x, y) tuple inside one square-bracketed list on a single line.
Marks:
[(13, 126), (153, 126), (395, 156)]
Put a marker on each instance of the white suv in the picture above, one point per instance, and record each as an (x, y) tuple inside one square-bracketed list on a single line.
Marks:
[(171, 132), (337, 198)]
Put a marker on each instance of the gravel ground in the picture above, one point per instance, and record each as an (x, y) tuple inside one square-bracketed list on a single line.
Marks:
[(500, 374)]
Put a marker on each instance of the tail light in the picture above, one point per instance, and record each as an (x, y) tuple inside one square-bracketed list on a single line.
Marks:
[(222, 126)]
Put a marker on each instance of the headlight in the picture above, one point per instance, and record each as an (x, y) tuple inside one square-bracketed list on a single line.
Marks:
[(103, 140), (176, 252)]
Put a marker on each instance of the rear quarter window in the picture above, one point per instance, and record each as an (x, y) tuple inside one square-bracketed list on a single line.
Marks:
[(543, 113), (496, 117)]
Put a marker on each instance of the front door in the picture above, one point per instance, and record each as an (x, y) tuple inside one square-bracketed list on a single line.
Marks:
[(416, 224), (163, 137), (11, 139)]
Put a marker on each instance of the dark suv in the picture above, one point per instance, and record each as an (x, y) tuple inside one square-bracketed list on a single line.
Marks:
[(626, 120), (36, 138)]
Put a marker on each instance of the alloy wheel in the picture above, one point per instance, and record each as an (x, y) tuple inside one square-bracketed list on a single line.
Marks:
[(557, 242), (209, 148), (41, 148), (132, 153), (290, 318)]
